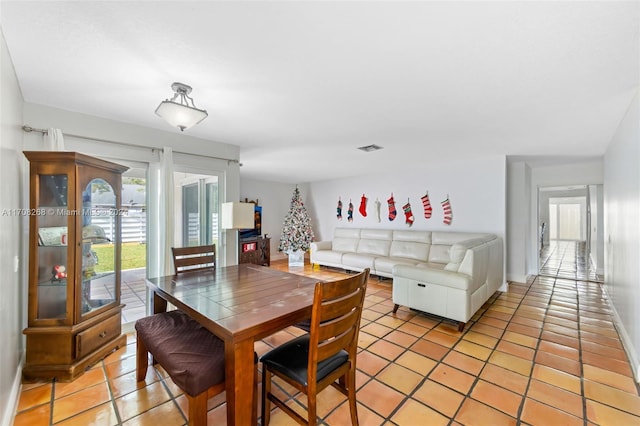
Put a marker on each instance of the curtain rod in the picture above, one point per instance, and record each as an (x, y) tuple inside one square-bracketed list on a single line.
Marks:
[(30, 129)]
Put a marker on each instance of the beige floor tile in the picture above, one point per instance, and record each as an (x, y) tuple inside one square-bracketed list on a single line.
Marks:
[(474, 413), (505, 378), (452, 378), (615, 380), (474, 350), (35, 396), (411, 410), (341, 416), (601, 414), (416, 362), (520, 339), (624, 401), (370, 363), (511, 362), (371, 394), (88, 379), (557, 378), (464, 362), (141, 400), (102, 415), (80, 401), (556, 397), (499, 398), (401, 339), (537, 413), (439, 397), (480, 338), (386, 349), (34, 416), (443, 339), (400, 378), (430, 349)]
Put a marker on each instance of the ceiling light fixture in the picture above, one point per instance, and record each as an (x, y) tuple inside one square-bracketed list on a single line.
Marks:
[(182, 114)]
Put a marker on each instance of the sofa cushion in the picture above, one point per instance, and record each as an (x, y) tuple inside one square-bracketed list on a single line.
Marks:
[(413, 236), (327, 256), (409, 250), (386, 264), (357, 261), (346, 240), (375, 242), (439, 253), (345, 245)]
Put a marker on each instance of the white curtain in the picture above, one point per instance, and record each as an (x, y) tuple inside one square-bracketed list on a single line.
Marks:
[(161, 218), (53, 140)]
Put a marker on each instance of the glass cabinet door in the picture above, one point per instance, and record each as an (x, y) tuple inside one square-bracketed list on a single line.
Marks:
[(98, 244), (51, 218)]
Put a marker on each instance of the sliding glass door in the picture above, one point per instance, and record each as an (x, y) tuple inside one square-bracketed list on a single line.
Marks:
[(197, 198)]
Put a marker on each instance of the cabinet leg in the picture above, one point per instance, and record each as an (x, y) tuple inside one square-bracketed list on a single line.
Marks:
[(461, 326), (395, 308)]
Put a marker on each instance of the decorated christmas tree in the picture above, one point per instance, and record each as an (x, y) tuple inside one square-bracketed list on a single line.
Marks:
[(296, 230)]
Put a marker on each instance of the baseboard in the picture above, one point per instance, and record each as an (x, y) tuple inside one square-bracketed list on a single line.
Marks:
[(14, 395), (627, 344)]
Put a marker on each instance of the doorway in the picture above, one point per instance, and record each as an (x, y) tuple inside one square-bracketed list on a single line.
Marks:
[(570, 231)]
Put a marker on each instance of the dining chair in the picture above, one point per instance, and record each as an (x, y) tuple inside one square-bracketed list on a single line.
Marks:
[(324, 356), (187, 259)]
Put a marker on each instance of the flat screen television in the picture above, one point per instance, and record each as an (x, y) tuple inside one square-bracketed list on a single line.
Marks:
[(257, 226)]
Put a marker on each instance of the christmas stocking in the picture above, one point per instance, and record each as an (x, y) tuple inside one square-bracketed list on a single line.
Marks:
[(427, 206), (407, 214), (339, 209), (377, 209), (392, 208), (363, 206), (446, 209), (350, 212)]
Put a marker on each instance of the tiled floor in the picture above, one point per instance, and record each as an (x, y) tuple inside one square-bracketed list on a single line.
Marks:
[(543, 353)]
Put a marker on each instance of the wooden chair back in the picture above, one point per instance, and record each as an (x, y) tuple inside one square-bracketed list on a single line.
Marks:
[(331, 342), (335, 320), (186, 259)]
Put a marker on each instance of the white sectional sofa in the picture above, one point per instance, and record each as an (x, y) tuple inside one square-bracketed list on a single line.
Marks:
[(449, 274)]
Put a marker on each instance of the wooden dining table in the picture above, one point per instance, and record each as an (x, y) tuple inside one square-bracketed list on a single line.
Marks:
[(240, 304)]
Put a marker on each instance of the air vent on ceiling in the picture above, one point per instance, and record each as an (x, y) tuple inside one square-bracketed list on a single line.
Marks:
[(369, 148)]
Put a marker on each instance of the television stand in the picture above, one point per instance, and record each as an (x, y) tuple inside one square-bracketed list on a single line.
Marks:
[(255, 250)]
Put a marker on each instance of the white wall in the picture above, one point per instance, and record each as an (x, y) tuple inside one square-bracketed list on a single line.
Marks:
[(13, 293), (596, 198), (622, 230), (476, 190), (518, 218)]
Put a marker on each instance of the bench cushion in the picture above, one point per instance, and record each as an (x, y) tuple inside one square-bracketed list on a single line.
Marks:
[(190, 354)]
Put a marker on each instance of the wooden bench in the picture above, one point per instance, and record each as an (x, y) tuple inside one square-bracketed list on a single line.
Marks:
[(190, 354)]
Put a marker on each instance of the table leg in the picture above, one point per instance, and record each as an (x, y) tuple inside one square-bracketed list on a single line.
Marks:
[(158, 304), (239, 378)]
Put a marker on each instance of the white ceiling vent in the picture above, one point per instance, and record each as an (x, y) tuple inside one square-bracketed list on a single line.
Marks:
[(369, 148)]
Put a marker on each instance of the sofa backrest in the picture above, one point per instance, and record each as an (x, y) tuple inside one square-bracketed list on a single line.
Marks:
[(411, 245), (375, 242), (346, 239), (442, 242)]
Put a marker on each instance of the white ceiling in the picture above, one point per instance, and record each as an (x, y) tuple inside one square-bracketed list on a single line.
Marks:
[(300, 85)]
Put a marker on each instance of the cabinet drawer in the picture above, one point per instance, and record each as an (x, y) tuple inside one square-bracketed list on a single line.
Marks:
[(94, 337)]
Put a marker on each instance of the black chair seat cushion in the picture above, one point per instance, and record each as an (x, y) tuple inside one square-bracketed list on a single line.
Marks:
[(292, 358), (190, 354)]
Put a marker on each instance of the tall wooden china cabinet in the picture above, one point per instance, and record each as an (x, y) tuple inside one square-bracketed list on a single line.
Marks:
[(74, 263)]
